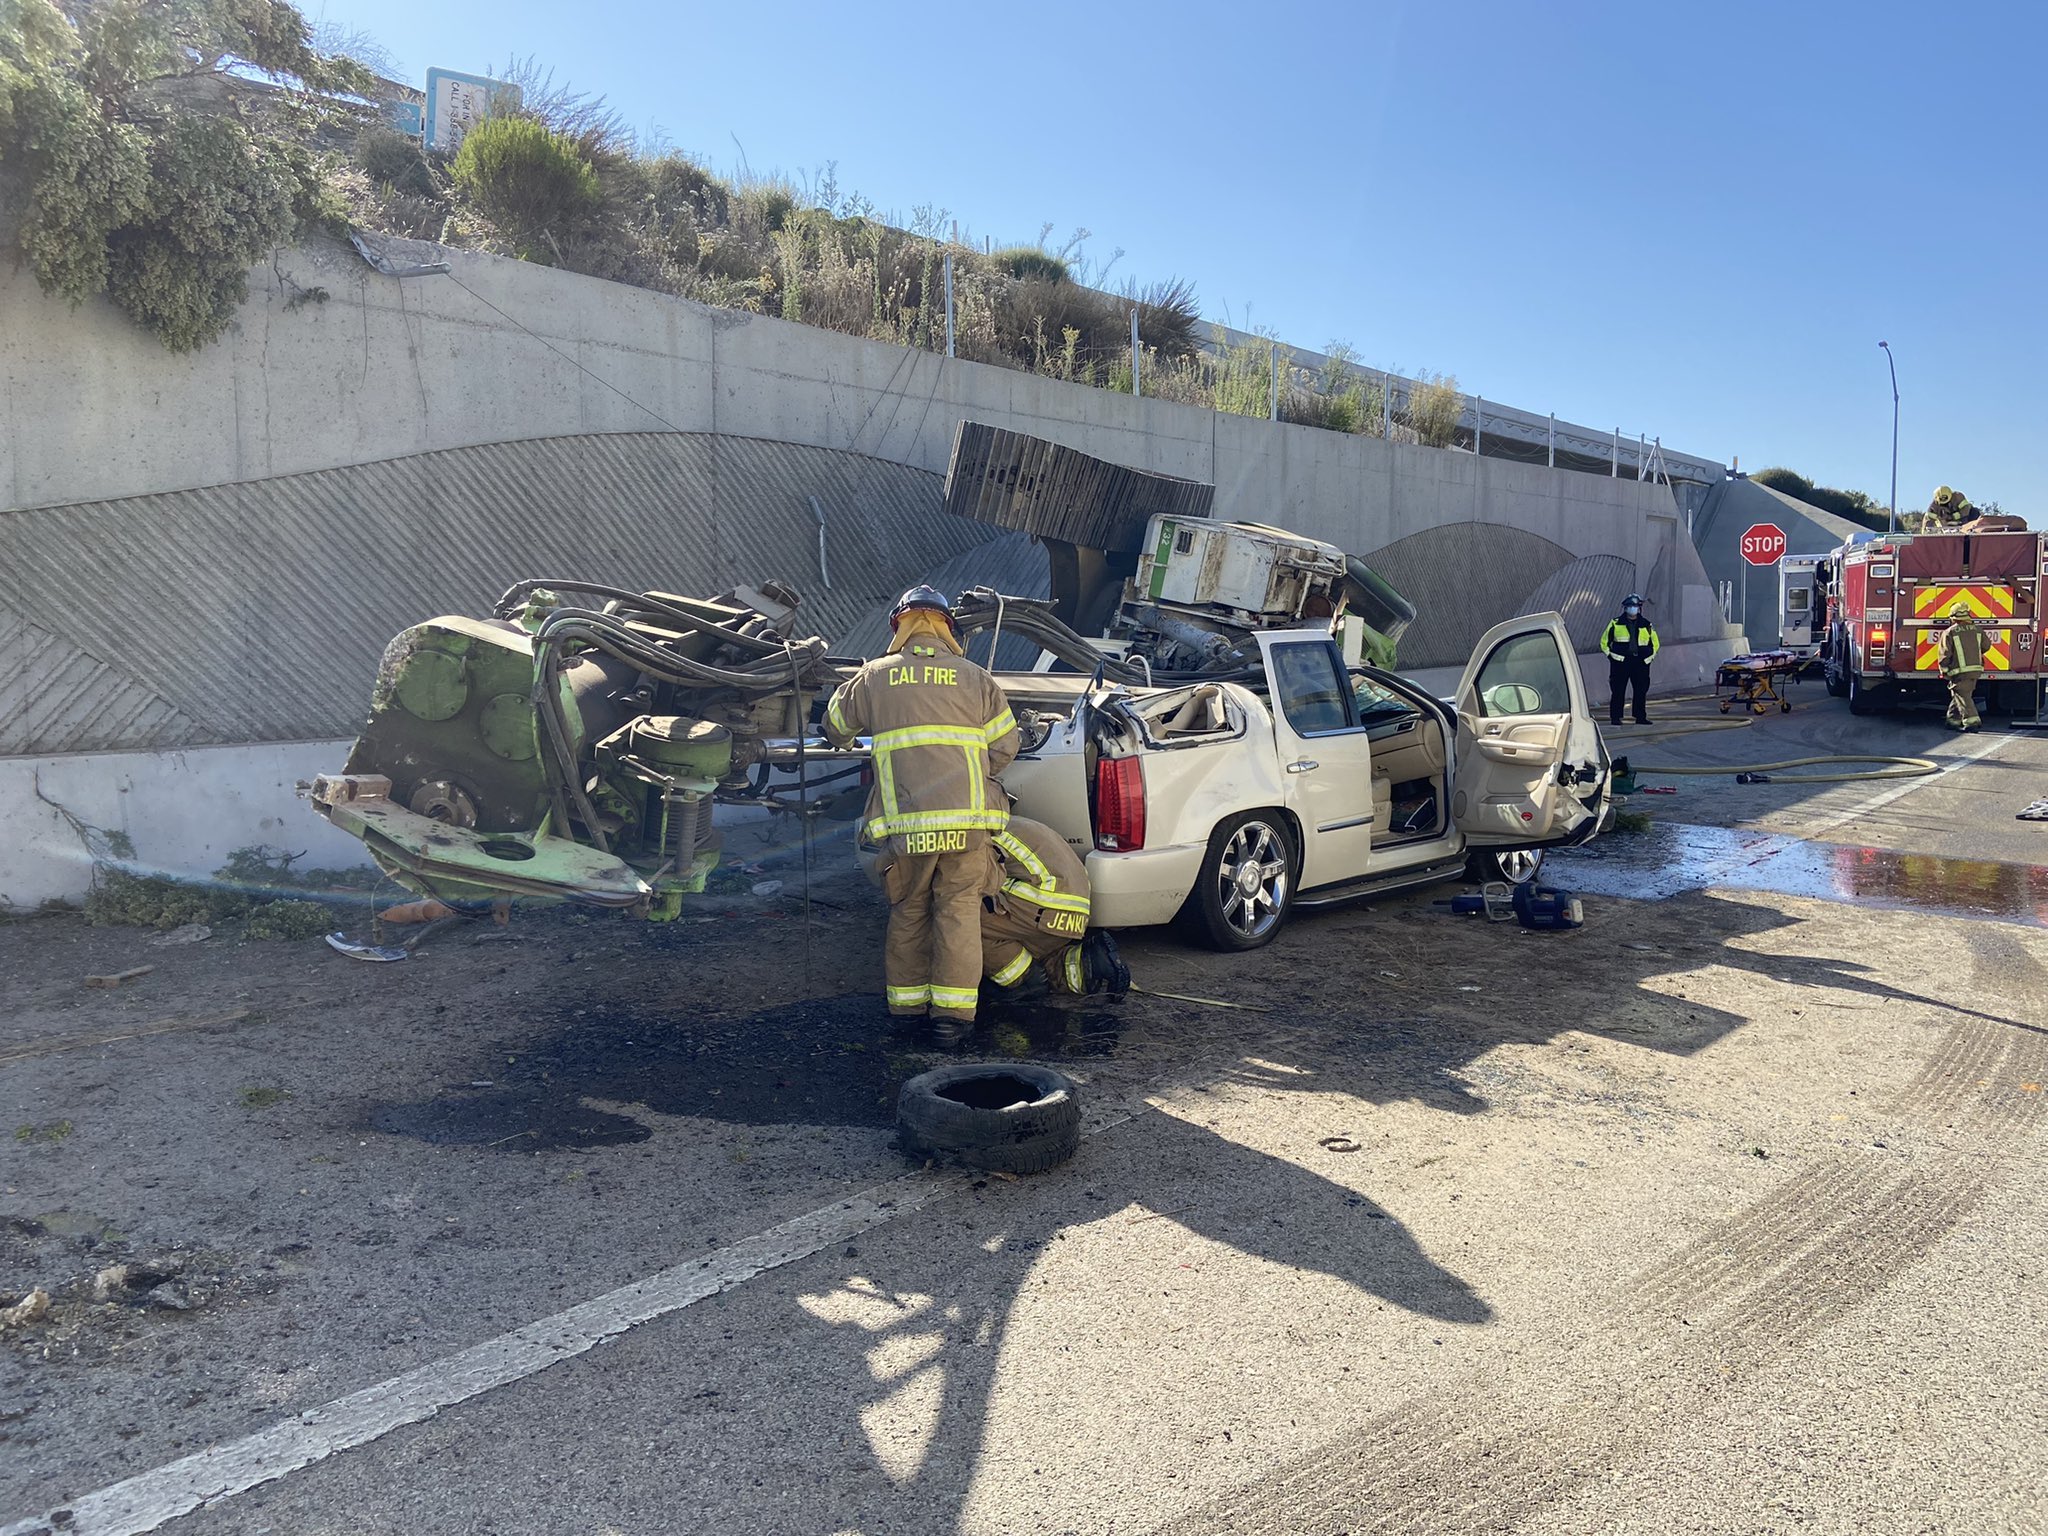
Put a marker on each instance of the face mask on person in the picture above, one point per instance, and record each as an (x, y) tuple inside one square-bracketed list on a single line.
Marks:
[(1631, 612)]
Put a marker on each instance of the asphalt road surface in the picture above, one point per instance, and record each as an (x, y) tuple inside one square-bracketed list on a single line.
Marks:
[(1725, 1213)]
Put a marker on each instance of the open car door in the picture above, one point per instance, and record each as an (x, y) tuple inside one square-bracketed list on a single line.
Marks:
[(1528, 767)]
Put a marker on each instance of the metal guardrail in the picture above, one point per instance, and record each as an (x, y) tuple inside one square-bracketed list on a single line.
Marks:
[(1502, 431)]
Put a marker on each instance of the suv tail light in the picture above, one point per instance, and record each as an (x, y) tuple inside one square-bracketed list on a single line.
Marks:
[(1119, 804)]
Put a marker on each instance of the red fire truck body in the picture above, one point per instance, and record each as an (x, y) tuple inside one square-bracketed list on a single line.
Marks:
[(1886, 597)]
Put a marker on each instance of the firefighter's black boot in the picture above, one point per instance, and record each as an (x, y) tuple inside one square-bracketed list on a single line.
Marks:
[(1102, 968)]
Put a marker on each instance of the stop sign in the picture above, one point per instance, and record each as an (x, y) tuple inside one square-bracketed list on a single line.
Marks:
[(1763, 544)]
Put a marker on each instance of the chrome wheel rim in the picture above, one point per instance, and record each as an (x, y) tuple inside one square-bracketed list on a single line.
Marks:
[(1519, 867), (1252, 880)]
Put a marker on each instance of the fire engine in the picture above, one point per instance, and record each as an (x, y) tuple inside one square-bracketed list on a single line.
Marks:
[(1886, 598)]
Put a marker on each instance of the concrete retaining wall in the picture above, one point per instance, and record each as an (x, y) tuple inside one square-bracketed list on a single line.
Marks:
[(212, 548), (497, 352)]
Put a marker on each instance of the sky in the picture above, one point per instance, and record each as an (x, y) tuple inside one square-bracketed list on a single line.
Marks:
[(1691, 221)]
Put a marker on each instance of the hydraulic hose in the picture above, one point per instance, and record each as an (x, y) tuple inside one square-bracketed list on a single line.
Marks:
[(979, 609), (1899, 768), (784, 666), (646, 602)]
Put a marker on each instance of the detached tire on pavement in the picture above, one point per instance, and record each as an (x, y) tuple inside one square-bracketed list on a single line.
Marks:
[(1005, 1117)]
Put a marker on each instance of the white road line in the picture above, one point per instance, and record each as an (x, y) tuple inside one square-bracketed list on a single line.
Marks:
[(145, 1501), (1897, 791), (149, 1499)]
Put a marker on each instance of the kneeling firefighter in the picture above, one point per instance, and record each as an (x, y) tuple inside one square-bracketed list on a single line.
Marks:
[(1041, 915), (941, 730)]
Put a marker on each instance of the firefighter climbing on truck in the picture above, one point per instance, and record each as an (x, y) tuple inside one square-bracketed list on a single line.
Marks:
[(941, 730)]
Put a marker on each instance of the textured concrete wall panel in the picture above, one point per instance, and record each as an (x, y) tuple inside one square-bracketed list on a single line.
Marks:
[(257, 612), (1463, 578), (1587, 593), (215, 546)]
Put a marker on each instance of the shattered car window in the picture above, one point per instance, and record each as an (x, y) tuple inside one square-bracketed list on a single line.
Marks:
[(1379, 705)]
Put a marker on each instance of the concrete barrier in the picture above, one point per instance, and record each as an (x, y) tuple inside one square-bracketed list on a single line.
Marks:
[(174, 813)]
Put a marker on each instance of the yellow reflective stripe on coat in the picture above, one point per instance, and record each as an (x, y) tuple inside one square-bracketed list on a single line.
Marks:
[(977, 781), (1009, 975), (929, 736), (835, 717), (988, 820), (998, 728), (1020, 850), (1039, 896), (955, 997), (885, 789)]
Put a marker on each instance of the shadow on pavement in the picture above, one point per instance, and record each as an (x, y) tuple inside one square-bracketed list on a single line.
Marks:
[(897, 1342), (911, 1339)]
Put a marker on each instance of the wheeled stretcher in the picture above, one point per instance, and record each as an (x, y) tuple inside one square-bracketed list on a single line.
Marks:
[(1755, 680)]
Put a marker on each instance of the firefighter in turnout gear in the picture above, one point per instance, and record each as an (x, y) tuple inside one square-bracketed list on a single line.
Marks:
[(941, 731), (1962, 663), (1041, 914), (1630, 642), (1950, 509)]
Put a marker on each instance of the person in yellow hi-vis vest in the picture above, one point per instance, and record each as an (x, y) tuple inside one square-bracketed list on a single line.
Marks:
[(941, 731), (1962, 663), (1630, 644), (1041, 915)]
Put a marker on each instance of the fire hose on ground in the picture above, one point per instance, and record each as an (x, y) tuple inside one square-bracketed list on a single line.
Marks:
[(1889, 767)]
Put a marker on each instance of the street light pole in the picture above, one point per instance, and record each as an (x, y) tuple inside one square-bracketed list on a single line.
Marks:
[(1887, 346)]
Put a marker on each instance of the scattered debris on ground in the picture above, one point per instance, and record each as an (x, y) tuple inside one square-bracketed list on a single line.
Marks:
[(150, 1283), (341, 943), (32, 1308), (289, 920), (119, 978), (425, 911), (74, 1290), (246, 887), (191, 933)]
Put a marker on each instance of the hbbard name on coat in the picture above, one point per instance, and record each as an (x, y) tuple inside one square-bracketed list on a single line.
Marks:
[(947, 675), (934, 842)]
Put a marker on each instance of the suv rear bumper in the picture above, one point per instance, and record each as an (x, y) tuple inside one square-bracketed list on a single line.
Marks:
[(1146, 886)]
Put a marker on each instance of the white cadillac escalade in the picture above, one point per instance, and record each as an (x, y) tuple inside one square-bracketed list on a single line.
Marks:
[(1230, 804)]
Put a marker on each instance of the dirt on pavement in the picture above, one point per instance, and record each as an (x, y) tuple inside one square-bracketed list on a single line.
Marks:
[(1455, 1228)]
